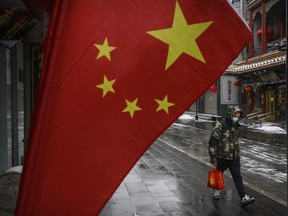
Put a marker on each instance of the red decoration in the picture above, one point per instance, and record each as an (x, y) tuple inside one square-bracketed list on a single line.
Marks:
[(248, 89), (213, 88), (238, 83), (269, 32), (259, 32)]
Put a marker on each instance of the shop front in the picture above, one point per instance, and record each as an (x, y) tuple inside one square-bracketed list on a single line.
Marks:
[(262, 81)]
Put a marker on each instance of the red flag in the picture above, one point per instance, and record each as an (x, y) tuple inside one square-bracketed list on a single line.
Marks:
[(116, 75)]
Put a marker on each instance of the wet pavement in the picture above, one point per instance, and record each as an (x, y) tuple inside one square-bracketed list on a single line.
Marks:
[(170, 178), (166, 181)]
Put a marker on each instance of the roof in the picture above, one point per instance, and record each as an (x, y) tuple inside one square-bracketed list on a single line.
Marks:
[(257, 63)]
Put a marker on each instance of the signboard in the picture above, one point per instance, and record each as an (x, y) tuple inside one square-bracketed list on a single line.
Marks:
[(229, 92), (15, 20)]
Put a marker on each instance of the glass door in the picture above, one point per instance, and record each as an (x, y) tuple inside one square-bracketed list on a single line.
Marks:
[(270, 104)]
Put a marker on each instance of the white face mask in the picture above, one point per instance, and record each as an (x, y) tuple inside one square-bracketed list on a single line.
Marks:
[(235, 119)]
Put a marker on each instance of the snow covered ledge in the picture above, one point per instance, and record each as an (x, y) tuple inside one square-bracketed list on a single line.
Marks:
[(9, 188)]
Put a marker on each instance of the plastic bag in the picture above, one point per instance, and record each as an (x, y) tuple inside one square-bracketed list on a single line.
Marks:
[(215, 179)]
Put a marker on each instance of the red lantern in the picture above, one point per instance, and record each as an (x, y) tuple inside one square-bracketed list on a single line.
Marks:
[(238, 83), (213, 88), (248, 89), (259, 32), (269, 32)]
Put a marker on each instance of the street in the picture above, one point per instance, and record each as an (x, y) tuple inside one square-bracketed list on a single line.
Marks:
[(264, 166), (170, 178)]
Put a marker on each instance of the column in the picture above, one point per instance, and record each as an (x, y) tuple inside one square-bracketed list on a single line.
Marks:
[(14, 106), (264, 30), (27, 91), (3, 111)]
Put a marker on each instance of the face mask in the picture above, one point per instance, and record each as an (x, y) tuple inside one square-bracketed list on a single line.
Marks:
[(235, 119)]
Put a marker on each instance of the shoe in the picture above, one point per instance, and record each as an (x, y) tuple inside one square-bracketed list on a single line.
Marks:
[(246, 200), (216, 194)]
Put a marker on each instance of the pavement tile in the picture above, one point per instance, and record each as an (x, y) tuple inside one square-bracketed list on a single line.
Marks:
[(120, 193), (132, 177), (136, 187), (170, 206), (143, 198), (149, 210), (122, 207)]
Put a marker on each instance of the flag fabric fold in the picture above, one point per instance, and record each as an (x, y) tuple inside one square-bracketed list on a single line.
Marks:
[(116, 75)]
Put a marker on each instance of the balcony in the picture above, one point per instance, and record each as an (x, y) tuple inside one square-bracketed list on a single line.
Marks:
[(279, 44)]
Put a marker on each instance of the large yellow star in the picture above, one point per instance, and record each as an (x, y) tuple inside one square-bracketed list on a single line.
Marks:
[(107, 86), (104, 49), (164, 104), (181, 38), (131, 107)]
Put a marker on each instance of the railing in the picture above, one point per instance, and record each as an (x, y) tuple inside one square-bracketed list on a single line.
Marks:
[(257, 51), (271, 46), (254, 114), (258, 115), (276, 45)]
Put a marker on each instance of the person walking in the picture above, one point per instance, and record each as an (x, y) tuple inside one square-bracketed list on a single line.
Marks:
[(224, 151)]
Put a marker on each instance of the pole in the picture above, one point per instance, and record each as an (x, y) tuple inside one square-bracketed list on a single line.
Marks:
[(27, 91), (14, 106), (3, 111)]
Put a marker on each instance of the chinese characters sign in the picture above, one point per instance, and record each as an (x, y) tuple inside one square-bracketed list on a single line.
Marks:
[(229, 92), (15, 20)]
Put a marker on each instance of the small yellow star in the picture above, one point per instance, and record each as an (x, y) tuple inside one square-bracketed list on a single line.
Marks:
[(131, 107), (107, 86), (181, 38), (164, 104), (104, 49)]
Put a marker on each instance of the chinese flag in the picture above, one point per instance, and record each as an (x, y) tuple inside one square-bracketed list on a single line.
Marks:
[(116, 75)]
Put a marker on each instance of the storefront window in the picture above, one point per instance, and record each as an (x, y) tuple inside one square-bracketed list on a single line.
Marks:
[(281, 102)]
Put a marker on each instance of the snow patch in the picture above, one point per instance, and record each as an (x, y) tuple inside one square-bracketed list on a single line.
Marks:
[(16, 169)]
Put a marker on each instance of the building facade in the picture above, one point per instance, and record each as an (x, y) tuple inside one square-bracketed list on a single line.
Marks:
[(260, 70), (262, 76)]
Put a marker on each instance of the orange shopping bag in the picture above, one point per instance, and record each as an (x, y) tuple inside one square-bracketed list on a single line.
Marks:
[(215, 178)]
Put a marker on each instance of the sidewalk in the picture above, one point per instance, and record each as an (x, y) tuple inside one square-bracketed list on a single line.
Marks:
[(168, 182), (251, 131)]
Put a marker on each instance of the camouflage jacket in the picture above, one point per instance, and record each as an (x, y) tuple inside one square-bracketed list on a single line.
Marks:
[(223, 142)]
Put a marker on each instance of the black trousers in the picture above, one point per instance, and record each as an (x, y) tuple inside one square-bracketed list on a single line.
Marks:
[(234, 168)]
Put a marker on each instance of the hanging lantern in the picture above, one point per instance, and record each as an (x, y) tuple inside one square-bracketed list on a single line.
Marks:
[(269, 33), (259, 33), (248, 89), (238, 83), (213, 88)]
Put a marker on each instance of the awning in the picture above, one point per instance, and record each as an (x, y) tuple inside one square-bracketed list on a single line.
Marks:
[(267, 60)]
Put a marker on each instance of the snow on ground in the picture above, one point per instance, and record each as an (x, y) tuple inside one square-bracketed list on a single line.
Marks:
[(266, 127), (16, 169), (186, 117)]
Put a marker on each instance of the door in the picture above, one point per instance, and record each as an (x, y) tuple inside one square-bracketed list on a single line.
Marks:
[(270, 103)]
